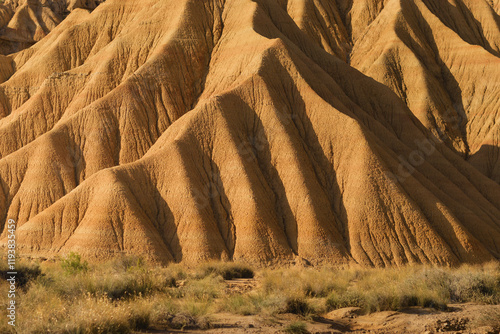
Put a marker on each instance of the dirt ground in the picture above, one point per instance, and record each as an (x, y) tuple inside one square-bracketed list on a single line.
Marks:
[(459, 318), (463, 318)]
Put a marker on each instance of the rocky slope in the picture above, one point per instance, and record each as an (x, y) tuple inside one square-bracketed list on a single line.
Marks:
[(340, 131), (25, 22)]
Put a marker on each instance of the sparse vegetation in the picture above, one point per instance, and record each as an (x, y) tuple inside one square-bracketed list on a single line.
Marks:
[(26, 272), (488, 319), (73, 264), (227, 271), (128, 294), (297, 306), (297, 328)]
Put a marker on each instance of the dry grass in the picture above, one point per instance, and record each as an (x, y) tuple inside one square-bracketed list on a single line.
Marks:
[(297, 328), (490, 319), (127, 294), (227, 270)]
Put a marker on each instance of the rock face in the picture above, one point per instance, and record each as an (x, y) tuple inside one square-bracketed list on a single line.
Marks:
[(25, 22), (259, 130)]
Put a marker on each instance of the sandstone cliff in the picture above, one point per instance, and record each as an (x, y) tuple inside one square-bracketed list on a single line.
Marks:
[(339, 131)]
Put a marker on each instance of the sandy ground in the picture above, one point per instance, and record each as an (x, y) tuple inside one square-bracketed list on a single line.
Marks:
[(459, 318)]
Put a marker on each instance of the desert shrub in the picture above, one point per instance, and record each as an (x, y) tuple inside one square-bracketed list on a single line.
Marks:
[(114, 285), (195, 308), (239, 304), (475, 286), (73, 264), (391, 289), (175, 270), (307, 282), (297, 305), (126, 263), (297, 328), (185, 321), (255, 302), (347, 299), (39, 309), (141, 314), (170, 282), (26, 273), (205, 289), (100, 315), (228, 270), (97, 316), (320, 283), (124, 286)]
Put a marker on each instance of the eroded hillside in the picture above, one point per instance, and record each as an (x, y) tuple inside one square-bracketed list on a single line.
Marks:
[(25, 22), (254, 130)]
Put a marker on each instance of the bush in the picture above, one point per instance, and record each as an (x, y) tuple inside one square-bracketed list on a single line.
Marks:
[(348, 299), (297, 328), (114, 285), (204, 289), (228, 271), (72, 264), (128, 263), (183, 321), (385, 299), (118, 286), (140, 317), (297, 306), (475, 286), (26, 273), (97, 316), (239, 304)]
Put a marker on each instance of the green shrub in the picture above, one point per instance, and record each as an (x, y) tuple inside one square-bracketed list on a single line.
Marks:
[(72, 264)]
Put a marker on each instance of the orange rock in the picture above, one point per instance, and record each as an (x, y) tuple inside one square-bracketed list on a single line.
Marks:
[(190, 130)]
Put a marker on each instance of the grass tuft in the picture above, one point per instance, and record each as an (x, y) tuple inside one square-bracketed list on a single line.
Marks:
[(297, 328)]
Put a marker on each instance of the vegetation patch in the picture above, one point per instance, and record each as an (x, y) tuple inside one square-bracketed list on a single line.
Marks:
[(297, 328), (227, 270), (26, 273), (128, 295)]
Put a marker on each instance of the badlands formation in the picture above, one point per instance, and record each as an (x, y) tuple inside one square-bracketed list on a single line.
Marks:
[(338, 131), (25, 22)]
